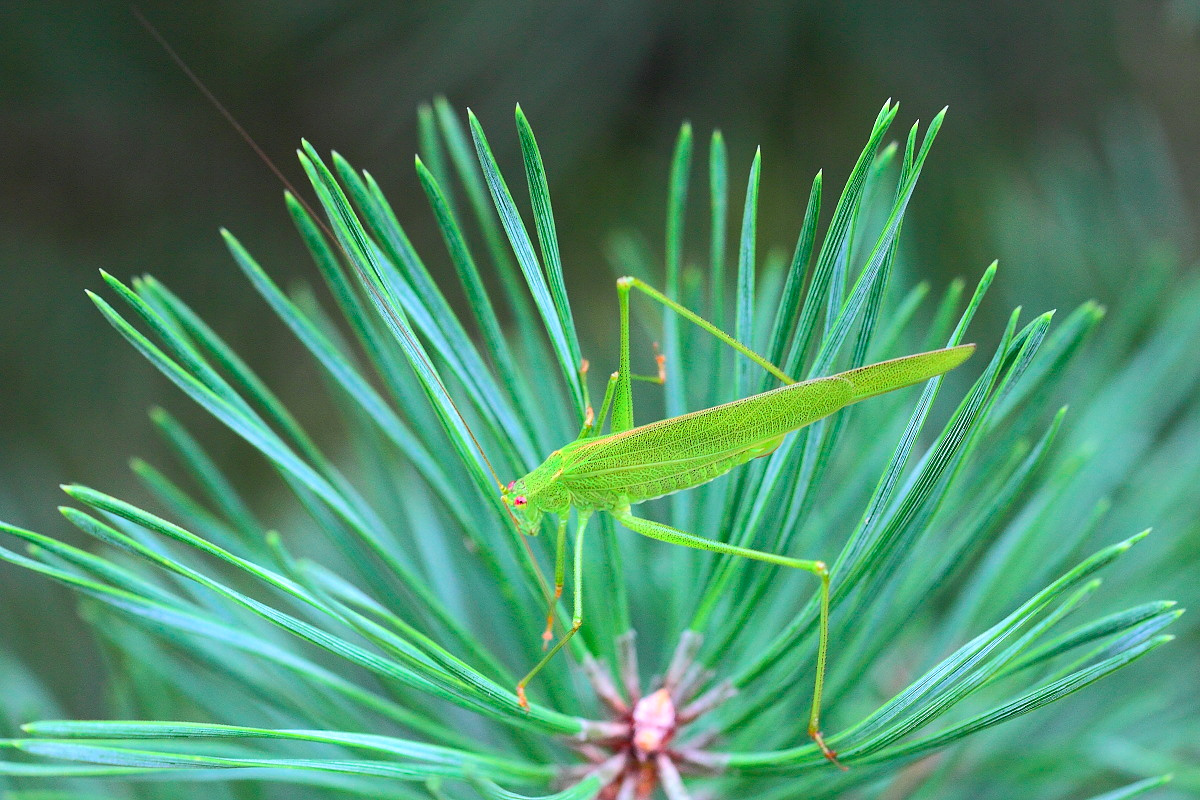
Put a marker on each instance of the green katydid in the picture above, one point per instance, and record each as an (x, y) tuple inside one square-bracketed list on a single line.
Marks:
[(598, 472)]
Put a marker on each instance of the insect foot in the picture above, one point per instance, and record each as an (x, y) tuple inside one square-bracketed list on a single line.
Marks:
[(645, 744)]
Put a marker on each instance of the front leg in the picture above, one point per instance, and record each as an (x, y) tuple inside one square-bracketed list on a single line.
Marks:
[(665, 533), (560, 547), (594, 424), (577, 616)]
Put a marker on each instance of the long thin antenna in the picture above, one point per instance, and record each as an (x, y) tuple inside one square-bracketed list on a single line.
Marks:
[(366, 281), (380, 301)]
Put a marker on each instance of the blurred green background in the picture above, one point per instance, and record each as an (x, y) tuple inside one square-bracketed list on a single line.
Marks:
[(1068, 154)]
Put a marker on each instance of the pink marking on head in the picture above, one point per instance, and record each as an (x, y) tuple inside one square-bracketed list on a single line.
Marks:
[(510, 486)]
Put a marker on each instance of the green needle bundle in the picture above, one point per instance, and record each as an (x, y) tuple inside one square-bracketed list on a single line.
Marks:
[(364, 637)]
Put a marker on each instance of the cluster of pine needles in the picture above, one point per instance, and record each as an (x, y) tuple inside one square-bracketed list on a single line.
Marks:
[(364, 637)]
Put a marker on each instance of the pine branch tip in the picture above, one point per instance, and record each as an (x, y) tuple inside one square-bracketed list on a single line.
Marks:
[(1132, 540)]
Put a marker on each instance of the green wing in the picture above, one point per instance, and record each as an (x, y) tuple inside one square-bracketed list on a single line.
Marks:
[(897, 373), (713, 434)]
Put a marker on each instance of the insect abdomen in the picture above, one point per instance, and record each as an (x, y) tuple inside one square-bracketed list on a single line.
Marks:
[(637, 485)]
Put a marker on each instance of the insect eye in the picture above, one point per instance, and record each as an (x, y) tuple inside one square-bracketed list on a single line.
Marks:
[(510, 486), (520, 500)]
